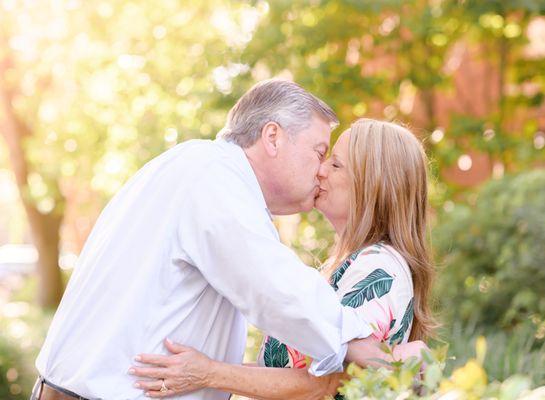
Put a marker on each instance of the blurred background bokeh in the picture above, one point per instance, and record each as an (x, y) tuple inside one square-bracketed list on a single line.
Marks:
[(92, 90)]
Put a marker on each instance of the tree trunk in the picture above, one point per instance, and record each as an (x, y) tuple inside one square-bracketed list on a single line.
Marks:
[(46, 236), (45, 228)]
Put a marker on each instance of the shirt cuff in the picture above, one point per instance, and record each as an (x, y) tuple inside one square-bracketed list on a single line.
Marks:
[(353, 327), (330, 364)]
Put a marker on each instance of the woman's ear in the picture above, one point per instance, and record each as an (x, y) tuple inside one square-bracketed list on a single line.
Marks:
[(270, 135)]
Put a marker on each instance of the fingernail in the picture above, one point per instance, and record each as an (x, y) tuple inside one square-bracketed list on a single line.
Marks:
[(136, 385), (132, 371), (138, 358), (169, 341)]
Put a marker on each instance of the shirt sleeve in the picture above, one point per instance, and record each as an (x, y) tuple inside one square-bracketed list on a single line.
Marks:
[(226, 233), (379, 287)]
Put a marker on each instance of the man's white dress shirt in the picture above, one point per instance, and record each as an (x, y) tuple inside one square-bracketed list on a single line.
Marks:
[(187, 251)]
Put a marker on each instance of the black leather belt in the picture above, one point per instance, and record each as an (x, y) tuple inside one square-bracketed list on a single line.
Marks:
[(45, 390)]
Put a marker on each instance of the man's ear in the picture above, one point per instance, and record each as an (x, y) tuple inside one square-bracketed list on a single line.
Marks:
[(270, 137)]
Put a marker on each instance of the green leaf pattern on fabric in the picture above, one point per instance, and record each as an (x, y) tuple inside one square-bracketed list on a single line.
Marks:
[(339, 272), (377, 283), (275, 354), (374, 286), (405, 324)]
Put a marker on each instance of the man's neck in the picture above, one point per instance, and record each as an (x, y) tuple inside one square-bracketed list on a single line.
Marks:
[(263, 176)]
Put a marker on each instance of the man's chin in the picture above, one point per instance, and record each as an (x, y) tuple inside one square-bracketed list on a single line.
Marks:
[(317, 204), (308, 205)]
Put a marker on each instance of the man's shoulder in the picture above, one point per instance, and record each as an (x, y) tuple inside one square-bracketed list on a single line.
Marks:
[(209, 165), (213, 152), (194, 150), (196, 157)]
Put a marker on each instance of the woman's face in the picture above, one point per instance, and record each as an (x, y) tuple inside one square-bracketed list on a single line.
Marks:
[(333, 199)]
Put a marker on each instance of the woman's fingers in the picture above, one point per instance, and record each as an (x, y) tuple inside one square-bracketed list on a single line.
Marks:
[(155, 394), (155, 386), (149, 385), (153, 372), (154, 359), (175, 348), (186, 370)]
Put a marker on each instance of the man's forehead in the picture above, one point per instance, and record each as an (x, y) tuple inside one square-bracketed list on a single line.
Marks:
[(322, 131), (318, 134)]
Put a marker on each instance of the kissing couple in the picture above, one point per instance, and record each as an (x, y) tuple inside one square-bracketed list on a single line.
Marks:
[(186, 253)]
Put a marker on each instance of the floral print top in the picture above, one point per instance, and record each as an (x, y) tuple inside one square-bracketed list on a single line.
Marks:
[(376, 281)]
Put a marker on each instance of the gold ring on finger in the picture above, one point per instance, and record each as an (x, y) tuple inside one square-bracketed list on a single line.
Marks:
[(163, 387)]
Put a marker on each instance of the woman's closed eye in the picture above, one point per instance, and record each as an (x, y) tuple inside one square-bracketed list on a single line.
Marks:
[(335, 163)]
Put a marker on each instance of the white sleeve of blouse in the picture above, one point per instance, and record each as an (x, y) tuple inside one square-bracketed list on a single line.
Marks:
[(378, 285)]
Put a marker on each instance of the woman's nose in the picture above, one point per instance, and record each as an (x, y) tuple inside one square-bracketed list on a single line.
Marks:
[(322, 171)]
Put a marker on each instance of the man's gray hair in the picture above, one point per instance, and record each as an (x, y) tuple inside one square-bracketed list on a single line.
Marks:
[(273, 100)]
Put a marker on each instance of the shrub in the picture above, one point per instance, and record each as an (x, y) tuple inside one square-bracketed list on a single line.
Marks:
[(14, 375), (22, 330), (492, 254), (404, 381), (517, 352)]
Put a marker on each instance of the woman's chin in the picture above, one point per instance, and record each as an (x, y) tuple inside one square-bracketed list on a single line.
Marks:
[(319, 204)]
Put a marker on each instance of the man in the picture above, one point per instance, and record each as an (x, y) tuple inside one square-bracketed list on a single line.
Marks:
[(187, 250)]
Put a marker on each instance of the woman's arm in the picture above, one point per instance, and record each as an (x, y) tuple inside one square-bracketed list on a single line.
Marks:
[(368, 353), (188, 370), (266, 383)]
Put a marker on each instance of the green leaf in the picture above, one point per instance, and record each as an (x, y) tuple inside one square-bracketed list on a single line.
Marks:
[(514, 386), (432, 376)]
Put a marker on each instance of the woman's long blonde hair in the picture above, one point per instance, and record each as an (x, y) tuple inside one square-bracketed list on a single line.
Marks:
[(388, 202)]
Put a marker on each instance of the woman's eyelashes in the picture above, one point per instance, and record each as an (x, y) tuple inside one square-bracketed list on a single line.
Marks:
[(335, 163)]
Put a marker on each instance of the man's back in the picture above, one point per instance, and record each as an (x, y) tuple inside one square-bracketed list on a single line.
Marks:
[(132, 288)]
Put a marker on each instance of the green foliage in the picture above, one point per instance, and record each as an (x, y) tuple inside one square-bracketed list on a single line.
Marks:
[(12, 384), (404, 380), (516, 352), (374, 58), (22, 331), (105, 87), (23, 326), (492, 251)]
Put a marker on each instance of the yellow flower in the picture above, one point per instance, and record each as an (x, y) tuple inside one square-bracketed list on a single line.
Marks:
[(471, 378)]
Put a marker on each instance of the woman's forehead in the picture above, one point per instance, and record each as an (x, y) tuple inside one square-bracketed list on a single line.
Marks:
[(342, 142)]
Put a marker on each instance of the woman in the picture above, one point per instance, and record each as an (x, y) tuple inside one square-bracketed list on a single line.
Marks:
[(373, 190)]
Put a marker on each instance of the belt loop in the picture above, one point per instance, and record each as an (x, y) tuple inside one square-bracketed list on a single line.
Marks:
[(37, 389), (42, 382)]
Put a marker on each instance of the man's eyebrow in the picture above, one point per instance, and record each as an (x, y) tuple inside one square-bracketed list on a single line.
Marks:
[(324, 145)]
